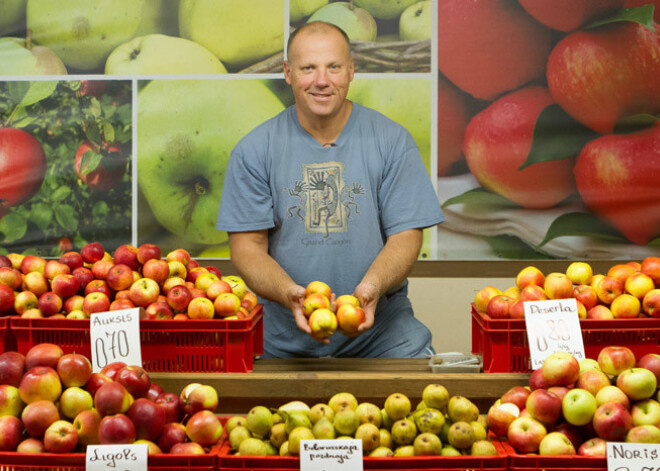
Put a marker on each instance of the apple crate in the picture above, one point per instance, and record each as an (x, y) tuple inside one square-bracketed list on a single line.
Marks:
[(7, 341), (503, 342), (552, 463), (228, 461), (199, 346)]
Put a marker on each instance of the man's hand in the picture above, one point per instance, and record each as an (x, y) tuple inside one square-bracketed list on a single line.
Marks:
[(368, 295), (296, 295)]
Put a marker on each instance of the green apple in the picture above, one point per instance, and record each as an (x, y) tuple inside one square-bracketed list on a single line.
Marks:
[(16, 58), (160, 16), (238, 32), (415, 22), (161, 54), (385, 9), (579, 406), (186, 130), (356, 22), (300, 9), (12, 19), (406, 101), (83, 33)]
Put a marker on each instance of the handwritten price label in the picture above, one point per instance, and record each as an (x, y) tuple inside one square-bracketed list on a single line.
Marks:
[(331, 455), (553, 326), (116, 457), (633, 456), (115, 336)]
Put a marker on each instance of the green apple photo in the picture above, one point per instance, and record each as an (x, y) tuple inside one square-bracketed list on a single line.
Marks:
[(186, 131)]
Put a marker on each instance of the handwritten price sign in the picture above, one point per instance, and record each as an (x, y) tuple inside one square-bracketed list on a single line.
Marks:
[(633, 456), (553, 326), (331, 455), (115, 336), (116, 457)]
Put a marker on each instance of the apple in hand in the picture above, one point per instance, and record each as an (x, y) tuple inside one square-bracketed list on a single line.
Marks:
[(323, 323), (349, 318)]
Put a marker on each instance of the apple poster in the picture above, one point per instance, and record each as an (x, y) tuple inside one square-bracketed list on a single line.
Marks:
[(538, 148)]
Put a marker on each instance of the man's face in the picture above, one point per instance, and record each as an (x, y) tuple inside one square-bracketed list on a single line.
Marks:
[(319, 70)]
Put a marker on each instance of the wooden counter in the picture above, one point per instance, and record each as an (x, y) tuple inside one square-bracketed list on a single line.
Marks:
[(276, 381)]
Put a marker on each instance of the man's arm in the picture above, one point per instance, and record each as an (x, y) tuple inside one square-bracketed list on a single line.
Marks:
[(389, 269), (249, 254)]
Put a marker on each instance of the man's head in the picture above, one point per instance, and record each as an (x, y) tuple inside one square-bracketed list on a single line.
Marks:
[(319, 69)]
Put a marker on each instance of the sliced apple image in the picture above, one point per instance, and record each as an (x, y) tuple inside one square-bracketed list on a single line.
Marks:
[(239, 33), (186, 131), (18, 57), (162, 54)]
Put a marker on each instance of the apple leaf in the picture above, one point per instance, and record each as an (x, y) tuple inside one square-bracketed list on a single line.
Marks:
[(556, 136), (108, 130), (92, 133), (41, 215), (37, 91), (66, 217), (89, 162), (13, 226), (642, 15), (100, 210), (635, 123), (480, 197), (581, 224), (60, 194), (511, 247)]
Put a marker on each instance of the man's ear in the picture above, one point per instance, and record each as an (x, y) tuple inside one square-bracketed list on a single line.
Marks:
[(287, 72)]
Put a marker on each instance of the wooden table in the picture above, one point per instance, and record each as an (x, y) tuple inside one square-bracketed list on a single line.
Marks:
[(276, 381)]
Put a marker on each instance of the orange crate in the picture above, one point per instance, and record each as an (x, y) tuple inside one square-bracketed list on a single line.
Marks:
[(552, 463), (230, 462), (503, 342), (206, 346)]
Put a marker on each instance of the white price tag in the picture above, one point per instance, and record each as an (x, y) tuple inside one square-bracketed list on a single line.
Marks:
[(331, 455), (116, 458), (633, 456), (115, 336), (553, 325)]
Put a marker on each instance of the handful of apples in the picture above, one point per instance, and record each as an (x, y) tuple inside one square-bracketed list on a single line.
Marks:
[(626, 290), (92, 280), (53, 402), (325, 319), (574, 407)]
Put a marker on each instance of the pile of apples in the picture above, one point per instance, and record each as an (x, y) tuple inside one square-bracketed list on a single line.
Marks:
[(53, 402), (92, 280), (440, 425), (325, 314), (627, 290), (575, 407)]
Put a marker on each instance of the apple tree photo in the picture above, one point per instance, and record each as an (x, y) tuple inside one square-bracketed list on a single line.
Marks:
[(65, 165)]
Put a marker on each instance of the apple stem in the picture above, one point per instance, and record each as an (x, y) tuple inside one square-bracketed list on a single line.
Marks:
[(351, 6), (28, 40)]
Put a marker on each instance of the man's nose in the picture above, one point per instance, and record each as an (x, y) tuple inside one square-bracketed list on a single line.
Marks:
[(321, 77)]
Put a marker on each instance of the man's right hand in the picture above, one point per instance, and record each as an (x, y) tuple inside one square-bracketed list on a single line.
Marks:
[(296, 295)]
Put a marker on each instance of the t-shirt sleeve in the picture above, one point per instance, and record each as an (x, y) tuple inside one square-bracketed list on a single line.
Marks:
[(407, 197), (246, 203)]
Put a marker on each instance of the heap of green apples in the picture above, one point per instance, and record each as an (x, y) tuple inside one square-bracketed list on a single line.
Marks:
[(626, 290), (51, 402), (439, 425), (575, 407), (92, 280)]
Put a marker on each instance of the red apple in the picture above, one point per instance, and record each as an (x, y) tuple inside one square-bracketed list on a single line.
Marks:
[(72, 259), (11, 430), (650, 361), (560, 369), (31, 445), (135, 379), (178, 298), (156, 269), (586, 294), (210, 268), (12, 368), (517, 395), (600, 311), (49, 303), (204, 428), (195, 397), (349, 318), (119, 304), (148, 252), (525, 434), (43, 354), (536, 380), (172, 434), (499, 306), (651, 303), (120, 277), (112, 398), (74, 369), (73, 303), (54, 268), (593, 381), (594, 448), (84, 276), (11, 277), (33, 263), (7, 299), (116, 429), (187, 448), (4, 261), (217, 288), (96, 380), (193, 273), (110, 370), (87, 424), (96, 302), (98, 286), (155, 390), (147, 417), (40, 382), (101, 268), (567, 15), (38, 416), (127, 254), (650, 266), (159, 310), (144, 292), (612, 421), (499, 417), (169, 401), (65, 285), (614, 359), (92, 252), (544, 406), (178, 255)]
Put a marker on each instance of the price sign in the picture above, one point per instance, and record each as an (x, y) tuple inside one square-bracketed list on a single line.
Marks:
[(115, 336), (331, 455), (633, 456), (116, 458), (553, 326)]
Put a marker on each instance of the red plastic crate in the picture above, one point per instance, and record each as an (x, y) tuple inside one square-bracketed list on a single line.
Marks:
[(207, 346), (230, 462), (7, 341), (503, 342), (552, 463)]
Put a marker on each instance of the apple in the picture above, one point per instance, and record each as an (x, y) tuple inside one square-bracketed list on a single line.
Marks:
[(120, 277), (119, 304), (12, 368), (349, 318), (512, 292), (10, 400), (49, 303), (614, 359), (96, 302), (639, 284), (35, 282), (572, 432), (108, 171), (537, 381), (155, 390), (580, 273), (98, 286), (116, 429), (568, 15), (196, 397), (608, 288), (74, 369), (525, 434), (96, 380), (586, 294), (172, 434), (87, 425), (637, 383), (323, 323), (517, 395), (544, 406), (579, 406), (612, 421), (651, 303), (645, 412), (54, 268), (560, 369), (556, 443), (110, 370), (483, 297), (239, 288), (415, 22), (593, 381), (112, 398), (600, 311), (625, 306), (148, 418), (645, 433), (72, 259), (84, 276), (178, 298), (558, 286), (650, 361), (594, 448), (65, 285), (651, 267), (127, 254), (533, 293), (193, 273), (101, 269), (92, 252), (216, 288), (156, 269), (637, 221), (169, 401), (74, 400), (16, 259), (201, 308), (315, 301), (32, 263), (5, 262), (500, 416), (43, 354), (621, 271), (135, 379), (38, 416), (612, 394), (499, 306), (60, 437), (343, 299), (187, 448), (144, 292), (204, 427), (40, 382), (11, 430), (11, 277), (31, 445), (25, 300)]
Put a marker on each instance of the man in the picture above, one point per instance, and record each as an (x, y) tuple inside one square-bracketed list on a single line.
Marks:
[(332, 191)]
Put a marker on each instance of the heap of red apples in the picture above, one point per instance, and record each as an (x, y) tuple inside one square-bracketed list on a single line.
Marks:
[(627, 290), (92, 280), (52, 402), (574, 407), (326, 315)]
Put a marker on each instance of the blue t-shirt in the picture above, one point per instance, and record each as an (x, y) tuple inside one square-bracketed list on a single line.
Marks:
[(328, 210)]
